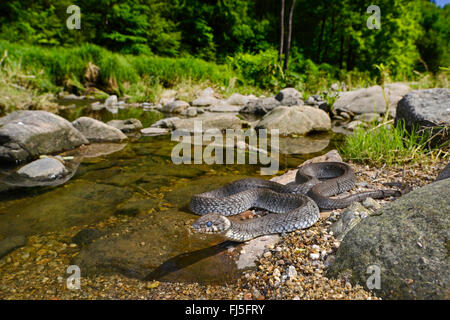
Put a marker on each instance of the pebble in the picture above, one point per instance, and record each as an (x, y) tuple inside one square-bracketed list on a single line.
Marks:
[(292, 272), (314, 256)]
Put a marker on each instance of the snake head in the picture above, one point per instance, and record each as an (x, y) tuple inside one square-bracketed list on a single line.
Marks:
[(212, 223)]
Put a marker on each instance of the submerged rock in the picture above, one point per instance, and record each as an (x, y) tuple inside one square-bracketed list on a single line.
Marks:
[(408, 240), (11, 243), (28, 134), (97, 131), (78, 203)]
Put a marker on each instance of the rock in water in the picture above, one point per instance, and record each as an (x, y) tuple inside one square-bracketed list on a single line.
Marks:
[(97, 131), (128, 125), (43, 169), (408, 239), (260, 106), (295, 120), (177, 106), (428, 109), (28, 134), (289, 97)]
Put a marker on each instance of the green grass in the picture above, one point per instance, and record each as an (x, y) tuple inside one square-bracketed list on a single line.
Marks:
[(388, 144), (50, 69)]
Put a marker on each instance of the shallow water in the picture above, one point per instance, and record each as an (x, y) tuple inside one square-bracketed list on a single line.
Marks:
[(139, 179)]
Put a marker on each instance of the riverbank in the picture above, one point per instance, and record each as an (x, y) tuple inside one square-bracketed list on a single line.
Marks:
[(38, 270)]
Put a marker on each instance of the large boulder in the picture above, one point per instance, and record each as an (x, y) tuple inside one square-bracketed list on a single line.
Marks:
[(97, 131), (408, 240), (260, 106), (295, 120), (426, 109), (289, 97), (369, 100), (28, 134)]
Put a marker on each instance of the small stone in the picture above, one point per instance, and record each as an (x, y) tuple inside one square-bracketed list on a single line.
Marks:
[(267, 254), (314, 256), (276, 272), (153, 285), (292, 272)]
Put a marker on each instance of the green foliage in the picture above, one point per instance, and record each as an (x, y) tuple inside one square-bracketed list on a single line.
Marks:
[(331, 41), (66, 67)]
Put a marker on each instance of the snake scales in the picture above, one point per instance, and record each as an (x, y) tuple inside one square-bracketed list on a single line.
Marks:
[(292, 206)]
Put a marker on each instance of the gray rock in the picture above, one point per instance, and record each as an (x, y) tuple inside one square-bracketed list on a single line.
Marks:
[(128, 125), (427, 109), (371, 100), (289, 97), (111, 100), (154, 131), (97, 131), (165, 123), (204, 101), (354, 124), (349, 218), (28, 134), (9, 244), (260, 106), (190, 112), (295, 120), (408, 239), (43, 169), (238, 99), (177, 106), (445, 173), (208, 121), (224, 108)]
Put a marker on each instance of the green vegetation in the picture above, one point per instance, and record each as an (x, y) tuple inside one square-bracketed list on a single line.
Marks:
[(386, 144)]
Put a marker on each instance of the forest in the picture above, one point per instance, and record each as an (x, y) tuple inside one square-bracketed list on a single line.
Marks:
[(330, 39)]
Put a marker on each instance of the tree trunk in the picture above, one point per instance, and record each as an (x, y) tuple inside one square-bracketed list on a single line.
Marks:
[(280, 52), (288, 42), (319, 47)]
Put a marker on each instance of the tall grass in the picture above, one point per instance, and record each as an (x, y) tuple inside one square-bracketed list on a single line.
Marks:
[(55, 67), (388, 144)]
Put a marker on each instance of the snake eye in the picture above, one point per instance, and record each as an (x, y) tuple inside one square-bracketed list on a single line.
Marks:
[(209, 224)]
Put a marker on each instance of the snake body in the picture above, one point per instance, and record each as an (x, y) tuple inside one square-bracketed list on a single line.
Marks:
[(292, 206)]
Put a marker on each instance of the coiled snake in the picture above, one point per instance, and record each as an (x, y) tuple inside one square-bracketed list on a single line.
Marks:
[(292, 206)]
